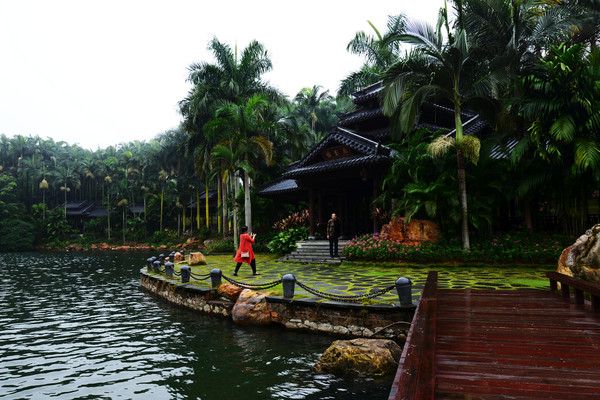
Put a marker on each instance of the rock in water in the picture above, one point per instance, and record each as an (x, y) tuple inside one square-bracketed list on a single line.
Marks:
[(418, 231), (251, 308), (582, 259), (360, 357), (197, 259)]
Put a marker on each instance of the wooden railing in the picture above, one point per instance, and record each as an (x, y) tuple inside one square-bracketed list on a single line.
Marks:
[(580, 287), (415, 378)]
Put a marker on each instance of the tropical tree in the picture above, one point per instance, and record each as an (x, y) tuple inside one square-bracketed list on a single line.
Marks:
[(561, 103), (443, 68), (245, 127), (231, 79), (308, 99), (379, 51)]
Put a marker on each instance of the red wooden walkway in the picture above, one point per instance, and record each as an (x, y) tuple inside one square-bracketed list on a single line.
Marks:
[(497, 344)]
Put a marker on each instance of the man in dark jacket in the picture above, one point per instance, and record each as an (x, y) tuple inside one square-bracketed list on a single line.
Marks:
[(333, 234)]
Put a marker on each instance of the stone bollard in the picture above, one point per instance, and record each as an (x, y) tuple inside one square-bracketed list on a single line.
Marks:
[(215, 278), (172, 256), (288, 282), (186, 271), (161, 258), (156, 266), (149, 262), (404, 289), (169, 269)]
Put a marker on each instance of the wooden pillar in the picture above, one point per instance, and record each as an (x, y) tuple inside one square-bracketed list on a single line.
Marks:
[(311, 211), (320, 206), (375, 194), (345, 227), (339, 211)]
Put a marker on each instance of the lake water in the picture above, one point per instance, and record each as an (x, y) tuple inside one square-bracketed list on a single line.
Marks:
[(78, 326)]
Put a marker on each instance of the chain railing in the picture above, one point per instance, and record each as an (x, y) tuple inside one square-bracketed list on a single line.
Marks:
[(288, 281), (200, 277), (346, 298), (251, 286)]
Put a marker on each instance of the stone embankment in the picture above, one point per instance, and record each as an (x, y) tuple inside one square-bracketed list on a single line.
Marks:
[(247, 307), (190, 244)]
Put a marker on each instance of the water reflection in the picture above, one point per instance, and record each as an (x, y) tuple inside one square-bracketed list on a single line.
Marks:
[(79, 326)]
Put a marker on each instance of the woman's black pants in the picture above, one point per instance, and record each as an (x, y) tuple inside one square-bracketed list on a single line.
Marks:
[(252, 264)]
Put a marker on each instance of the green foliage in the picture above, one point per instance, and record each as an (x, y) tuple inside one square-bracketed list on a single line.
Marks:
[(285, 241), (16, 235), (517, 247), (58, 229), (220, 246)]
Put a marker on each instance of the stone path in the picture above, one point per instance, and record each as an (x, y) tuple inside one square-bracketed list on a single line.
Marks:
[(353, 279)]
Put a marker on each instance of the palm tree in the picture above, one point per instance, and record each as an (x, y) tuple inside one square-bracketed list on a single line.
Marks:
[(231, 79), (379, 51), (436, 68), (561, 100), (244, 126), (309, 99)]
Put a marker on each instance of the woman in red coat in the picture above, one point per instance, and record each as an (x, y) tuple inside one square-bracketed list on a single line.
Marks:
[(245, 247)]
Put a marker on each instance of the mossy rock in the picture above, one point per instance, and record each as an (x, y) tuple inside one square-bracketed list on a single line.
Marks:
[(360, 357)]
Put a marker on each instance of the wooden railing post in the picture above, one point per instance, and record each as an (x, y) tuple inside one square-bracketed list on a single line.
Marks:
[(580, 287)]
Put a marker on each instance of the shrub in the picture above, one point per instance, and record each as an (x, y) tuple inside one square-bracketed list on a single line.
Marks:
[(16, 235), (296, 220), (220, 246), (516, 247), (285, 241)]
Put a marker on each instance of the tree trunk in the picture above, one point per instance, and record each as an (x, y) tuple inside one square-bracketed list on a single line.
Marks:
[(124, 225), (224, 208), (219, 214), (108, 213), (198, 208), (247, 202), (462, 190), (206, 206), (162, 196), (236, 188)]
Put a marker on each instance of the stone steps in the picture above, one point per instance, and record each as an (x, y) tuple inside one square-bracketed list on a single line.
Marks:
[(315, 251)]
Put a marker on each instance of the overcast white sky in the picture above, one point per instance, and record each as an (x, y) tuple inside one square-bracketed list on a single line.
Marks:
[(100, 73)]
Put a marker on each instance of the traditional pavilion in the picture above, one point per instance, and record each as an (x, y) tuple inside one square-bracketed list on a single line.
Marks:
[(343, 173)]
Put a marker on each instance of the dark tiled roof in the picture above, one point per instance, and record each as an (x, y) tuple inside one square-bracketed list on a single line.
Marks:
[(78, 208), (354, 141), (338, 164), (499, 152), (279, 186), (382, 134), (211, 194), (75, 205), (137, 208), (362, 115), (98, 212), (368, 93)]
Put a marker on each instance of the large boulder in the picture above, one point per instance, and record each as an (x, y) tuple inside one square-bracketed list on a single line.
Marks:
[(251, 308), (229, 291), (418, 231), (197, 259), (180, 257), (582, 259), (360, 357)]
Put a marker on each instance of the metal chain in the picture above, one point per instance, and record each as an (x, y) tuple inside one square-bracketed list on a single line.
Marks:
[(348, 299), (200, 277), (251, 286), (262, 286)]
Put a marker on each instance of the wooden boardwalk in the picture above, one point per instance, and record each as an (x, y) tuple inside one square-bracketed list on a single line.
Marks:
[(499, 344)]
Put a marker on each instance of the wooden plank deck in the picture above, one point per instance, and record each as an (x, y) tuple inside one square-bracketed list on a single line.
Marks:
[(500, 344)]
